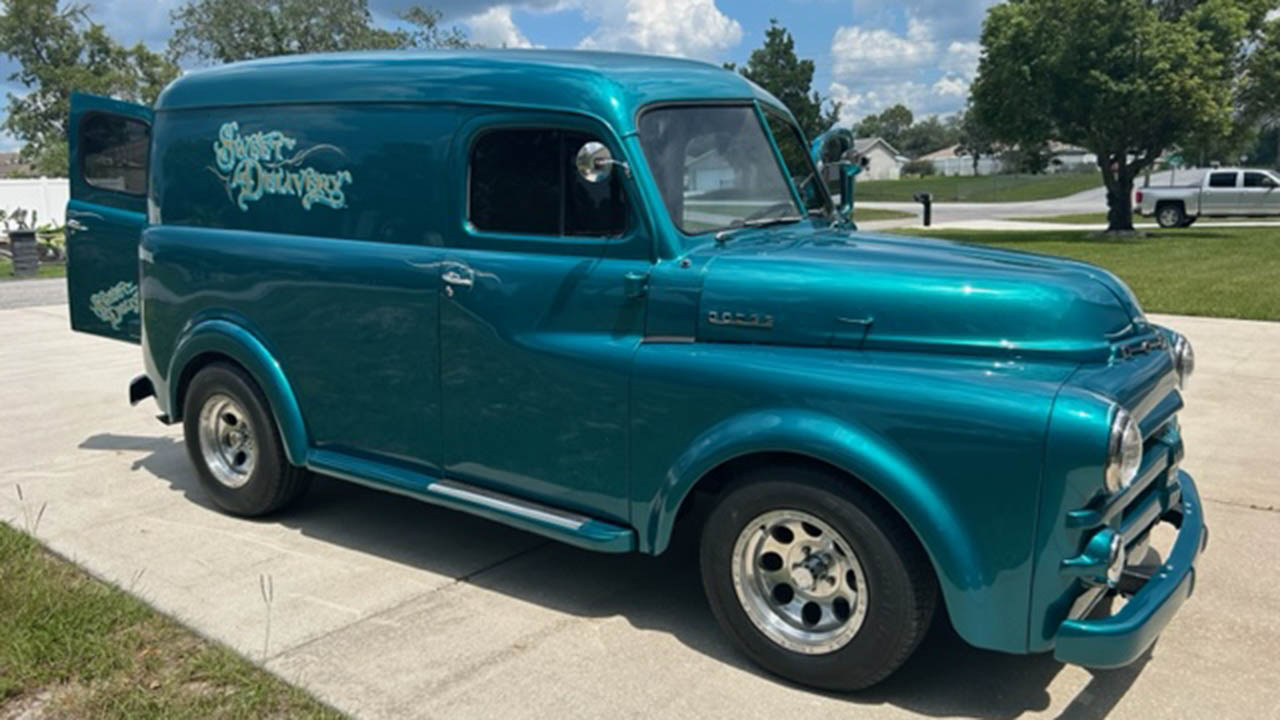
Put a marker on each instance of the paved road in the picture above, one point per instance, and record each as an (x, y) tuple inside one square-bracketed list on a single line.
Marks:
[(387, 607), (1089, 201), (32, 293)]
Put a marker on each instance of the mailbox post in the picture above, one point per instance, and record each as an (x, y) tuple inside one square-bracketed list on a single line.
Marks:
[(926, 199)]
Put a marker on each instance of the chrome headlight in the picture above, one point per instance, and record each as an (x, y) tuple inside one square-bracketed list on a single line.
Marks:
[(1124, 451), (1184, 359)]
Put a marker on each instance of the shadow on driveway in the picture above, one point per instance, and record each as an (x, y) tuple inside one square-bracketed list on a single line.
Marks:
[(945, 677)]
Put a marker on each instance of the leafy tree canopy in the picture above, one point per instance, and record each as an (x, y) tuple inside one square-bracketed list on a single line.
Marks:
[(58, 50), (775, 67), (1127, 79), (229, 30)]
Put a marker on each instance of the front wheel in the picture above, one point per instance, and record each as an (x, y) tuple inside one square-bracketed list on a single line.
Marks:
[(1170, 215), (816, 581), (232, 441)]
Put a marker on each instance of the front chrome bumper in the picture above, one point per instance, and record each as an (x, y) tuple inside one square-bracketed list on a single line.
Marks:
[(1119, 639)]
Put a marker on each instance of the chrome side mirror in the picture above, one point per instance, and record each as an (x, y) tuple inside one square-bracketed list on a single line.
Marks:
[(595, 162)]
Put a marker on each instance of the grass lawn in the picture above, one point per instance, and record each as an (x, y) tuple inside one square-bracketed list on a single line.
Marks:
[(46, 270), (989, 188), (872, 214), (1101, 219), (745, 210), (73, 647), (1219, 272)]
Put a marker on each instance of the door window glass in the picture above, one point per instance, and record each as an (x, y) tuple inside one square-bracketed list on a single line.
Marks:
[(1222, 180), (1257, 180), (796, 157), (526, 181), (114, 153)]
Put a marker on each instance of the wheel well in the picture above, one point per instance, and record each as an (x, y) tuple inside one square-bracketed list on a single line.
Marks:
[(724, 476), (195, 365), (1166, 203)]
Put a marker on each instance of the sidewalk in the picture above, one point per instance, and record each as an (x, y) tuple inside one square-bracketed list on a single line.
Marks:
[(386, 607)]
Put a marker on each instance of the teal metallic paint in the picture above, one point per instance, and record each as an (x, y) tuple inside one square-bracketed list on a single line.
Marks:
[(1120, 639), (102, 235), (229, 339), (971, 388), (954, 443)]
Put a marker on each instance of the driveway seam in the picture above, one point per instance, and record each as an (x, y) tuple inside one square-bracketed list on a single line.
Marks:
[(460, 580), (1244, 505)]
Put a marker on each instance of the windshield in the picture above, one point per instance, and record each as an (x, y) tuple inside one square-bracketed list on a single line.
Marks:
[(715, 167)]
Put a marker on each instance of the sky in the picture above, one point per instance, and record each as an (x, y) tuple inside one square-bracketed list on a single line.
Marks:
[(869, 54)]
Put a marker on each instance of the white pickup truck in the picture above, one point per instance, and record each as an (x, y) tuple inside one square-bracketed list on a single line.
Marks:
[(1226, 192)]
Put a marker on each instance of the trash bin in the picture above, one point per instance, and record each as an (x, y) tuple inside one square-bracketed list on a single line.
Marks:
[(26, 254)]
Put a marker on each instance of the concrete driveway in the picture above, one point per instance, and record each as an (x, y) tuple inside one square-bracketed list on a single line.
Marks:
[(386, 607)]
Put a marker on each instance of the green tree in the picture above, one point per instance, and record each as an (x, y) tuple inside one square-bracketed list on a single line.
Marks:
[(223, 31), (1127, 79), (890, 125), (926, 136), (974, 138), (775, 67), (59, 50)]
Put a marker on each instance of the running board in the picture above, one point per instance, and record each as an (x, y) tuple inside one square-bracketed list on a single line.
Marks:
[(557, 524)]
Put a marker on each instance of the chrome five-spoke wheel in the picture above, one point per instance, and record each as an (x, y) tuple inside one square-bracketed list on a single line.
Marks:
[(227, 441), (799, 582)]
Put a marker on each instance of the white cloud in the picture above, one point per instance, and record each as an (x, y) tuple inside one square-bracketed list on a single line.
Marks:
[(876, 67), (694, 28), (856, 49), (495, 28)]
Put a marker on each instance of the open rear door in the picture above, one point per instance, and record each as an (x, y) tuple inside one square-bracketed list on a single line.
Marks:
[(109, 147)]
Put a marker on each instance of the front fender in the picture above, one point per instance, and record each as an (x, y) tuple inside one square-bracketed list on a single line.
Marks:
[(843, 444), (223, 337)]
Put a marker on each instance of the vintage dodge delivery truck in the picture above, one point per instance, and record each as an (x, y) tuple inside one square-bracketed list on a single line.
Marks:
[(581, 293)]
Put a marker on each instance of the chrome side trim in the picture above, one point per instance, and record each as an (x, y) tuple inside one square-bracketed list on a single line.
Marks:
[(507, 504), (669, 339)]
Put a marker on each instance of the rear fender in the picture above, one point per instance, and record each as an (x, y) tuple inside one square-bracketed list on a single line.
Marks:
[(223, 337)]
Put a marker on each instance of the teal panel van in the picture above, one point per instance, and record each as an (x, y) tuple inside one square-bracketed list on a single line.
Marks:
[(599, 297)]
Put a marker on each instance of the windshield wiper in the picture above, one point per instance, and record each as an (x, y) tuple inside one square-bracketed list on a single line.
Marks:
[(724, 235), (766, 222)]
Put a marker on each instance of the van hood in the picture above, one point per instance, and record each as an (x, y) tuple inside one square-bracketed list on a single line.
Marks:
[(841, 289)]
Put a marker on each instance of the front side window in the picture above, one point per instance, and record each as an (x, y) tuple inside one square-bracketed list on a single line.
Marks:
[(795, 156), (114, 153), (715, 167), (525, 181), (1222, 180), (1258, 180)]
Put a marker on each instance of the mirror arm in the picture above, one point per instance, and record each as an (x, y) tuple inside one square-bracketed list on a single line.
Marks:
[(602, 163)]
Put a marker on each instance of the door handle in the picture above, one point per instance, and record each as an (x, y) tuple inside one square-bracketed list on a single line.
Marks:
[(73, 224), (453, 277)]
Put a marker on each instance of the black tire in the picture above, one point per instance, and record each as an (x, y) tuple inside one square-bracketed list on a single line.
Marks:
[(1170, 215), (901, 588), (272, 483)]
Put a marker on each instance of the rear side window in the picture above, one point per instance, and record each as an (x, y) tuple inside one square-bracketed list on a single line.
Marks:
[(1257, 180), (114, 153), (525, 181), (1222, 180)]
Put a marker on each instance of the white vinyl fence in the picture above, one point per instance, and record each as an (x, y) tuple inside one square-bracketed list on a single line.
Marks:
[(47, 196)]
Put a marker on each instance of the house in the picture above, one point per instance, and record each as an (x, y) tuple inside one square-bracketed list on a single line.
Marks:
[(1064, 157), (951, 161), (708, 171), (885, 160), (11, 164)]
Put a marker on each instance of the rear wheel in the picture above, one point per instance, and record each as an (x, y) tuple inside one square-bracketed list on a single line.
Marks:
[(232, 441), (1170, 215), (815, 580)]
